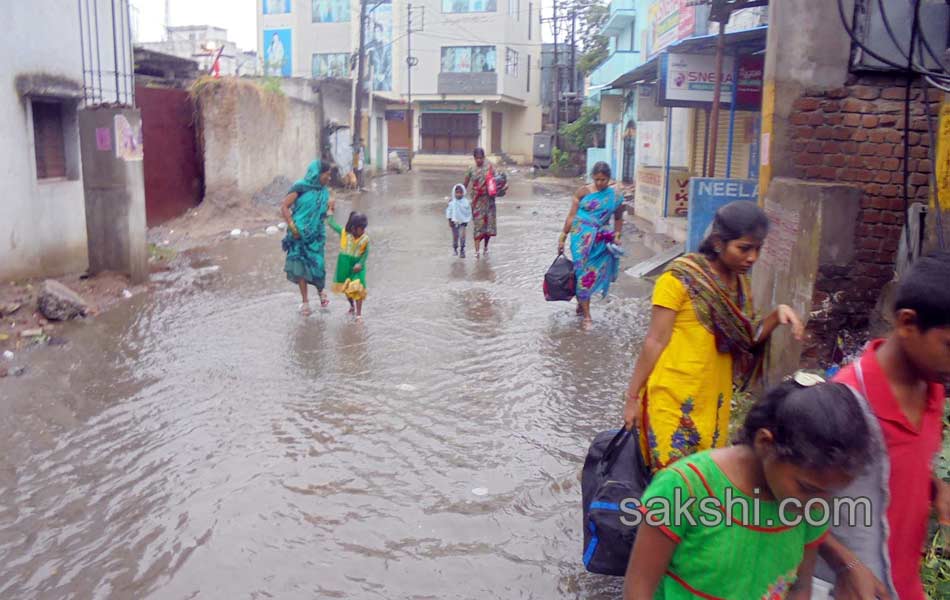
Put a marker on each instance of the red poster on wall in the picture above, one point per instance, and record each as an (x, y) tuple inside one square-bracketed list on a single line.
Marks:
[(749, 82)]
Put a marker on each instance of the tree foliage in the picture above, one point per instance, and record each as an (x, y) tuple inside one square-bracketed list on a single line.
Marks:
[(591, 45), (580, 133)]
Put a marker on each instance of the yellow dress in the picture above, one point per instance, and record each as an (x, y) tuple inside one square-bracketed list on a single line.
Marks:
[(688, 395)]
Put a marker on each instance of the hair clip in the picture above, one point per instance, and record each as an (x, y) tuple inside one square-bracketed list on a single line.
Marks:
[(806, 379)]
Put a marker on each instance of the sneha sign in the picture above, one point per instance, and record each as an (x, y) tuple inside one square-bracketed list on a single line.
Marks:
[(690, 80)]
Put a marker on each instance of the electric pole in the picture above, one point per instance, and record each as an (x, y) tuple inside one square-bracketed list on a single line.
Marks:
[(410, 63), (557, 80), (570, 106), (360, 70)]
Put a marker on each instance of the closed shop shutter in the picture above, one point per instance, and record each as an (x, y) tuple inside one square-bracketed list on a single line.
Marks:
[(741, 143)]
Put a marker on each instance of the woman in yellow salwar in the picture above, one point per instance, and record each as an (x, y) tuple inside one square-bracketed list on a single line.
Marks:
[(704, 341), (350, 276)]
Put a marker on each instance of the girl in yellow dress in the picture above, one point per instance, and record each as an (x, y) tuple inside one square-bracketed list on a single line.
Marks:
[(704, 341), (350, 277)]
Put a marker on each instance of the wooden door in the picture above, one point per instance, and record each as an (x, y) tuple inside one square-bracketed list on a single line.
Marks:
[(496, 129), (397, 125)]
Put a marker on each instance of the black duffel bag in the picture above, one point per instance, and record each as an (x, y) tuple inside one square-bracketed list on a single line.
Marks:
[(614, 471), (559, 280)]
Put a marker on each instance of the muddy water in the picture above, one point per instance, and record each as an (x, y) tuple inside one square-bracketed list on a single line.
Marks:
[(206, 441)]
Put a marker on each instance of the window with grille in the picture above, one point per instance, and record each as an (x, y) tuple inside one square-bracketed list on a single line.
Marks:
[(511, 62), (49, 139)]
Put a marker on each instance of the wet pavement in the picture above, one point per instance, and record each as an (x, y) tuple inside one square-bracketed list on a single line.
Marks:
[(207, 441)]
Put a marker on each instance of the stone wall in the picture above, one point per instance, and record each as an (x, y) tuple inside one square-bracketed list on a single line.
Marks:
[(855, 135), (251, 135)]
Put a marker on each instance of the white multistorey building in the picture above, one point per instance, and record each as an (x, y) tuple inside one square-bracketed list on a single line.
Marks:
[(476, 82), (203, 44)]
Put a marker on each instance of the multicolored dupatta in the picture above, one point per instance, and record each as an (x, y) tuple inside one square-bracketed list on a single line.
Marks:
[(732, 321)]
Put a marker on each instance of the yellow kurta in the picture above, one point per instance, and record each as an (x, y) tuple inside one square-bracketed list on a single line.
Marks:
[(689, 393)]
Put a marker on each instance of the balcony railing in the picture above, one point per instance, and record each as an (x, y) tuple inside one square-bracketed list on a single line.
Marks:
[(616, 65)]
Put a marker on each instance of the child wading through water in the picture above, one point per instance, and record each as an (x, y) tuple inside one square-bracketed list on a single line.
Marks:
[(802, 441), (350, 277), (459, 214)]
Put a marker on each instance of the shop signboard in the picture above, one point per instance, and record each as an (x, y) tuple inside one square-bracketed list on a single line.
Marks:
[(689, 80), (651, 203), (669, 21), (706, 196), (450, 107)]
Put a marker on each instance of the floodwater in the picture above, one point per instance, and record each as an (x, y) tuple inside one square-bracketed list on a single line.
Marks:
[(207, 441)]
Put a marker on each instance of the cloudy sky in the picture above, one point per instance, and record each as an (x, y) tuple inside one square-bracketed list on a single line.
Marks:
[(237, 16)]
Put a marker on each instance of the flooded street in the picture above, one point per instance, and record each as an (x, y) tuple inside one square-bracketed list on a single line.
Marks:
[(207, 441)]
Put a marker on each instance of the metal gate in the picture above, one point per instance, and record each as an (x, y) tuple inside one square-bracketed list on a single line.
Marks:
[(174, 180)]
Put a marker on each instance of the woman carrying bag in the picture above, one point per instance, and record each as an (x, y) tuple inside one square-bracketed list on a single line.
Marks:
[(595, 247)]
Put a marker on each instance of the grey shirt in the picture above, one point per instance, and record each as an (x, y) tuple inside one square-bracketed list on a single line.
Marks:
[(863, 531)]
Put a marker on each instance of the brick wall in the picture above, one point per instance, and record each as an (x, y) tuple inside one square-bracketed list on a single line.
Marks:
[(855, 135)]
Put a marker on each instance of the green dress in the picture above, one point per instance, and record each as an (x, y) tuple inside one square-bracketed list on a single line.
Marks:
[(741, 560), (353, 251), (305, 254)]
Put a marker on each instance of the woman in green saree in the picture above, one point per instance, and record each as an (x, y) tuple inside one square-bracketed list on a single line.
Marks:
[(305, 209)]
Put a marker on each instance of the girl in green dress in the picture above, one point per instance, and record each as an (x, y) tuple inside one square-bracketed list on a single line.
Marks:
[(350, 277), (754, 530)]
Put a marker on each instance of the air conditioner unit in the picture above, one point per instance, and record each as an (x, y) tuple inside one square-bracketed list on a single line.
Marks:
[(870, 28)]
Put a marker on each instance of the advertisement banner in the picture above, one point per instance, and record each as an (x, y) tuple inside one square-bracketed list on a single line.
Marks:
[(330, 11), (749, 82), (380, 46), (277, 53), (276, 7), (669, 21)]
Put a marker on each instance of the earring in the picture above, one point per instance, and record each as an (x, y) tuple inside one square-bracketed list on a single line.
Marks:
[(718, 249)]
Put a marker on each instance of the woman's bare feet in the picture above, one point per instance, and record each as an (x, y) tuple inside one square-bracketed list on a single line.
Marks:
[(305, 309), (587, 324), (324, 301)]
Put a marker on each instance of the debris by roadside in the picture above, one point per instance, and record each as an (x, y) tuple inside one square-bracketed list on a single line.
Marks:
[(59, 303)]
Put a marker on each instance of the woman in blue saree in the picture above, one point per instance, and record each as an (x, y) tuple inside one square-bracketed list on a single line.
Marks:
[(595, 247), (305, 209)]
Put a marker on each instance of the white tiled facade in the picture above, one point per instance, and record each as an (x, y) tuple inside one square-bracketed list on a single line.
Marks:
[(510, 28)]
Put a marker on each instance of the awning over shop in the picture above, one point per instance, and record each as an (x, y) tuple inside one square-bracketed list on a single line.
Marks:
[(645, 72), (747, 41)]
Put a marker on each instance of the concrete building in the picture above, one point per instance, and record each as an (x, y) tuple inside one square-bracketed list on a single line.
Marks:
[(202, 43), (71, 181), (476, 82)]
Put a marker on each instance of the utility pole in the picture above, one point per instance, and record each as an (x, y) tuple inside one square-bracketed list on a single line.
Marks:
[(360, 70), (570, 113), (557, 80), (410, 62), (573, 49)]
